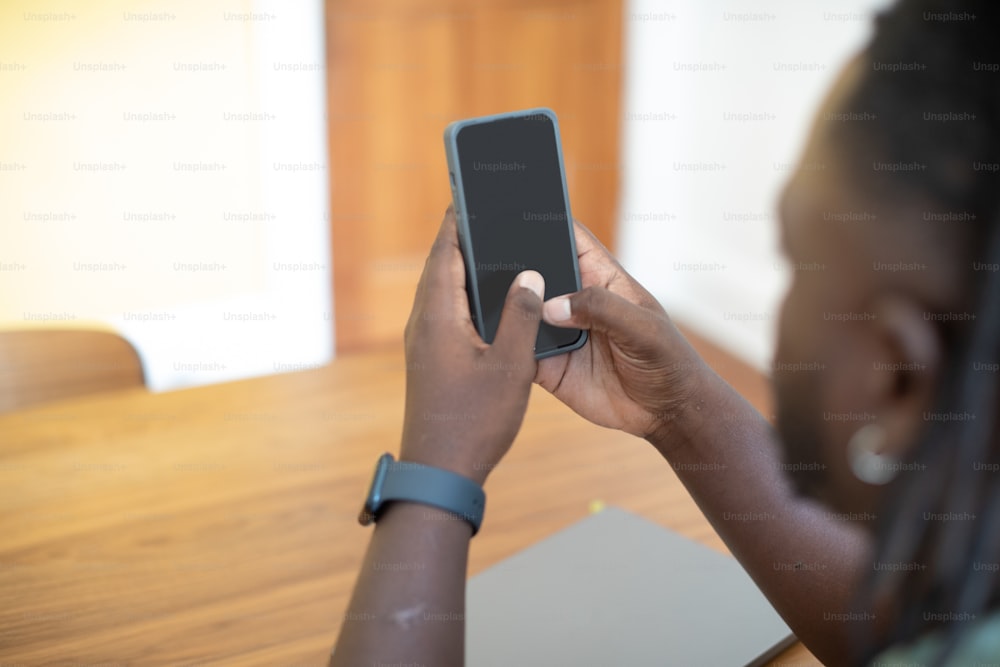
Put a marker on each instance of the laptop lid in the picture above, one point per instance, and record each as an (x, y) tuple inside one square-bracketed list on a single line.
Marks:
[(616, 589)]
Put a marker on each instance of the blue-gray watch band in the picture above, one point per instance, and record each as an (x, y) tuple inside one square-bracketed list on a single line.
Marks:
[(427, 485)]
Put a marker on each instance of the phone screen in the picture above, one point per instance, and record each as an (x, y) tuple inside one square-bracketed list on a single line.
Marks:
[(516, 216)]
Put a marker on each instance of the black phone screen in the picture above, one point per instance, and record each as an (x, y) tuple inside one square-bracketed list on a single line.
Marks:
[(518, 216)]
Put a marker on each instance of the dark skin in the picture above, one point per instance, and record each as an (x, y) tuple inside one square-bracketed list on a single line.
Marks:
[(466, 400), (643, 378), (888, 330)]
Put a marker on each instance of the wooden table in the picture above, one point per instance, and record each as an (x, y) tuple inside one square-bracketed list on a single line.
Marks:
[(218, 525)]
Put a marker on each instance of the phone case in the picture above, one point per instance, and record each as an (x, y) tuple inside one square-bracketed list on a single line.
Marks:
[(458, 201)]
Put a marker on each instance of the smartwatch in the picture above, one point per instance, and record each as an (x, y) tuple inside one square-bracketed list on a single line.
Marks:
[(416, 483)]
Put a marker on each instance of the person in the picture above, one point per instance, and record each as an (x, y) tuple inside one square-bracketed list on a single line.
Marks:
[(894, 213)]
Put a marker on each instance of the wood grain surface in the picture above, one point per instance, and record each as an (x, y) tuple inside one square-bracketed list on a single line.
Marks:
[(218, 525)]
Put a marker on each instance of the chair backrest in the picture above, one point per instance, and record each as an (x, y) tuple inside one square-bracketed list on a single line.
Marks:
[(43, 365)]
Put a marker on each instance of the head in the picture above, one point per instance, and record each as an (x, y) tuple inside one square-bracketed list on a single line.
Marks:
[(890, 333)]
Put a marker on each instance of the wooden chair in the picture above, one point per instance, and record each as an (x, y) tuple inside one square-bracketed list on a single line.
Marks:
[(44, 365)]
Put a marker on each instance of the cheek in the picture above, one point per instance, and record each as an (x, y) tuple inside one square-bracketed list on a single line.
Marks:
[(795, 377), (846, 394), (797, 333), (846, 404), (808, 377)]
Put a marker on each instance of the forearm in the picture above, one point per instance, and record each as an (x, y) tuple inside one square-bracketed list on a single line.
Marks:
[(408, 604), (806, 560)]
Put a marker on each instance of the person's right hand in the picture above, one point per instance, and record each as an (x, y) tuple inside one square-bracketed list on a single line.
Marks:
[(636, 371)]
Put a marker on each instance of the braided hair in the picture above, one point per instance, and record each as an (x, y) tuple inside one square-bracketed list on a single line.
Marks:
[(930, 95)]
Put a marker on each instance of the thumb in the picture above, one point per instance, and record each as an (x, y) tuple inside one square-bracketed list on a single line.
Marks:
[(521, 317), (602, 311)]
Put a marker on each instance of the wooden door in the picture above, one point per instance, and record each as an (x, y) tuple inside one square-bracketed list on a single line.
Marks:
[(399, 71)]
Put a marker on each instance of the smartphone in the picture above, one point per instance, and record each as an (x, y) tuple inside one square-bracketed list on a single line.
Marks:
[(508, 188)]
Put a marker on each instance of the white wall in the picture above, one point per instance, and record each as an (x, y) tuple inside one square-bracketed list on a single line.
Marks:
[(163, 171), (719, 97)]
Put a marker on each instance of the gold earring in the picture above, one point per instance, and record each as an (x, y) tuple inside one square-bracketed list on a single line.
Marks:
[(866, 462)]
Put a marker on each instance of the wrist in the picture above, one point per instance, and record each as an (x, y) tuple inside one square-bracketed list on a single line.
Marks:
[(477, 472), (457, 453), (422, 517), (405, 482), (713, 411), (686, 417)]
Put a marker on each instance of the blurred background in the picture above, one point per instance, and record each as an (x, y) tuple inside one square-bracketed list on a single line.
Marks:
[(250, 187)]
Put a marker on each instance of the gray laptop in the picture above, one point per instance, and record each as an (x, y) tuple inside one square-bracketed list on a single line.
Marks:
[(616, 589)]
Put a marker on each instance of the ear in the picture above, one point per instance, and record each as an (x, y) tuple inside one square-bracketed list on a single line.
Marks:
[(912, 349)]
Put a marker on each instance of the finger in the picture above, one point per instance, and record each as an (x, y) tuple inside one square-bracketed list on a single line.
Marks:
[(585, 239), (601, 310), (520, 319), (447, 236), (439, 246), (441, 291), (597, 265), (445, 258)]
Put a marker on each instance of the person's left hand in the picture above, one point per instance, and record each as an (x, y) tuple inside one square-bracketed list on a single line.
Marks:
[(465, 400)]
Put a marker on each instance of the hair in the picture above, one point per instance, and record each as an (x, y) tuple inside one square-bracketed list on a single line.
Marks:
[(925, 59)]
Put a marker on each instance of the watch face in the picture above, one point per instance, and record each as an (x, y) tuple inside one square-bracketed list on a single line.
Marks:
[(374, 499)]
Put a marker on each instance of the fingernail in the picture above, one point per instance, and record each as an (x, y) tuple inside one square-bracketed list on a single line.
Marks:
[(532, 280), (557, 309)]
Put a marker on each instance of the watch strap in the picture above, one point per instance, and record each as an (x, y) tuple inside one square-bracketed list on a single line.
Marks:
[(427, 485)]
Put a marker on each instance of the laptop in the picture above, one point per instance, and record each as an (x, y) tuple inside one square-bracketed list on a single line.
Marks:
[(616, 589)]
